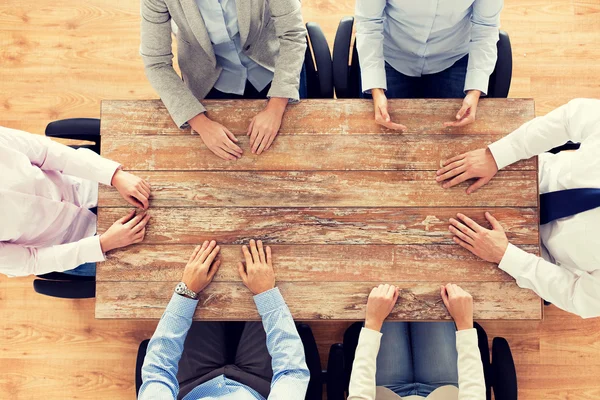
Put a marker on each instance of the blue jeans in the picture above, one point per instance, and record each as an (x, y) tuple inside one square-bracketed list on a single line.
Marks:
[(446, 84), (87, 269), (251, 93), (416, 358)]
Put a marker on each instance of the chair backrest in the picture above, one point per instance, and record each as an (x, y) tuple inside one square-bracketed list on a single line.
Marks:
[(346, 67), (317, 61), (77, 129)]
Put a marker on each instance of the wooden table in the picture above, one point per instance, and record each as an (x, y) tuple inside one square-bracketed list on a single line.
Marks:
[(344, 203)]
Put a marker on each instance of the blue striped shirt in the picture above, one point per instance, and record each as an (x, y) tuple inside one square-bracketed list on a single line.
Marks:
[(290, 374)]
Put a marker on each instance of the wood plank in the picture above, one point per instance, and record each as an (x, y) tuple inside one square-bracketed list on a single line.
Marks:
[(322, 263), (311, 301), (320, 225), (325, 152), (326, 189), (323, 116)]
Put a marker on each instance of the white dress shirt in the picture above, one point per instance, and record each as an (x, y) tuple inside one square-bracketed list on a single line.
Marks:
[(569, 273), (220, 19), (46, 222), (425, 37), (471, 382)]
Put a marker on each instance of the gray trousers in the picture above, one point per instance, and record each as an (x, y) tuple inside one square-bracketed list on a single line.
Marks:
[(208, 352)]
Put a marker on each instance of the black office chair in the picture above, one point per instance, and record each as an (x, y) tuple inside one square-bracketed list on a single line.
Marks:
[(58, 284), (500, 374), (346, 79), (315, 385), (317, 61)]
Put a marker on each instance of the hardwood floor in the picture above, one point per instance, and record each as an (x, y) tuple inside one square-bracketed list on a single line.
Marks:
[(59, 59)]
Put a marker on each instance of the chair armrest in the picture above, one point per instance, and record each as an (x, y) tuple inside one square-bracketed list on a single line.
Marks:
[(322, 56), (66, 289), (504, 374), (341, 58), (313, 362), (336, 373), (75, 128), (141, 354), (60, 276), (499, 84)]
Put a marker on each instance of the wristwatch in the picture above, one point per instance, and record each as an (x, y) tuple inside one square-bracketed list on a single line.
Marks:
[(182, 290)]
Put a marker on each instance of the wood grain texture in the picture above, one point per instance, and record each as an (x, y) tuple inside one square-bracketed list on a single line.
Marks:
[(323, 117), (326, 189), (320, 225), (339, 300), (296, 152), (320, 263)]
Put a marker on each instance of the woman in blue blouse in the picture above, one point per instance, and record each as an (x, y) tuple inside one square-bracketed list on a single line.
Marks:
[(427, 49)]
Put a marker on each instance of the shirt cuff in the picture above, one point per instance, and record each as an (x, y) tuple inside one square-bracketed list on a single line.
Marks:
[(370, 335), (503, 152), (269, 301), (182, 306), (466, 338), (477, 80), (512, 261), (90, 249), (373, 79), (106, 170)]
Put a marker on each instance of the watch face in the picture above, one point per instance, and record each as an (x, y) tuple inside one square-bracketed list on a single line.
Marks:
[(180, 288)]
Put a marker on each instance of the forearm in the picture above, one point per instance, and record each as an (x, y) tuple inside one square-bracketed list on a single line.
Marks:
[(471, 381), (159, 372), (290, 30), (290, 373), (157, 56), (578, 294), (17, 260), (52, 156), (364, 368), (369, 43)]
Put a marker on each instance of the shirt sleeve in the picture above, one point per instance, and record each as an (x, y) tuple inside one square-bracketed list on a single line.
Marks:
[(575, 293), (159, 372), (17, 260), (369, 43), (290, 373), (362, 381), (49, 155), (291, 32), (483, 52), (573, 121), (471, 381)]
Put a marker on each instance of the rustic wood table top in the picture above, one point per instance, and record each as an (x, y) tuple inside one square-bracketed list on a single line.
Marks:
[(344, 203)]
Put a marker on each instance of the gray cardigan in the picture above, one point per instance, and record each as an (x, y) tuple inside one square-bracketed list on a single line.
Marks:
[(272, 34)]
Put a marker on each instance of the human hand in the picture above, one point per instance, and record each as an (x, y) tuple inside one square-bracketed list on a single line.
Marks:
[(257, 274), (478, 164), (202, 266), (381, 114), (489, 245), (265, 125), (134, 190), (468, 111), (216, 137), (125, 231), (459, 304), (379, 305)]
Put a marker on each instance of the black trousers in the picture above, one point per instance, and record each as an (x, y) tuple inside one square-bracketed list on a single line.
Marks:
[(237, 350)]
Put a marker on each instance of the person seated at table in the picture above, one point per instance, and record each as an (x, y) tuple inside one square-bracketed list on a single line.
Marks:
[(46, 193), (268, 361), (418, 360), (427, 49), (227, 49), (568, 273)]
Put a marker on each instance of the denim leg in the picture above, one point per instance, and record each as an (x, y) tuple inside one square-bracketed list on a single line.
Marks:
[(447, 84), (394, 361), (434, 355), (400, 86), (87, 269), (303, 87)]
